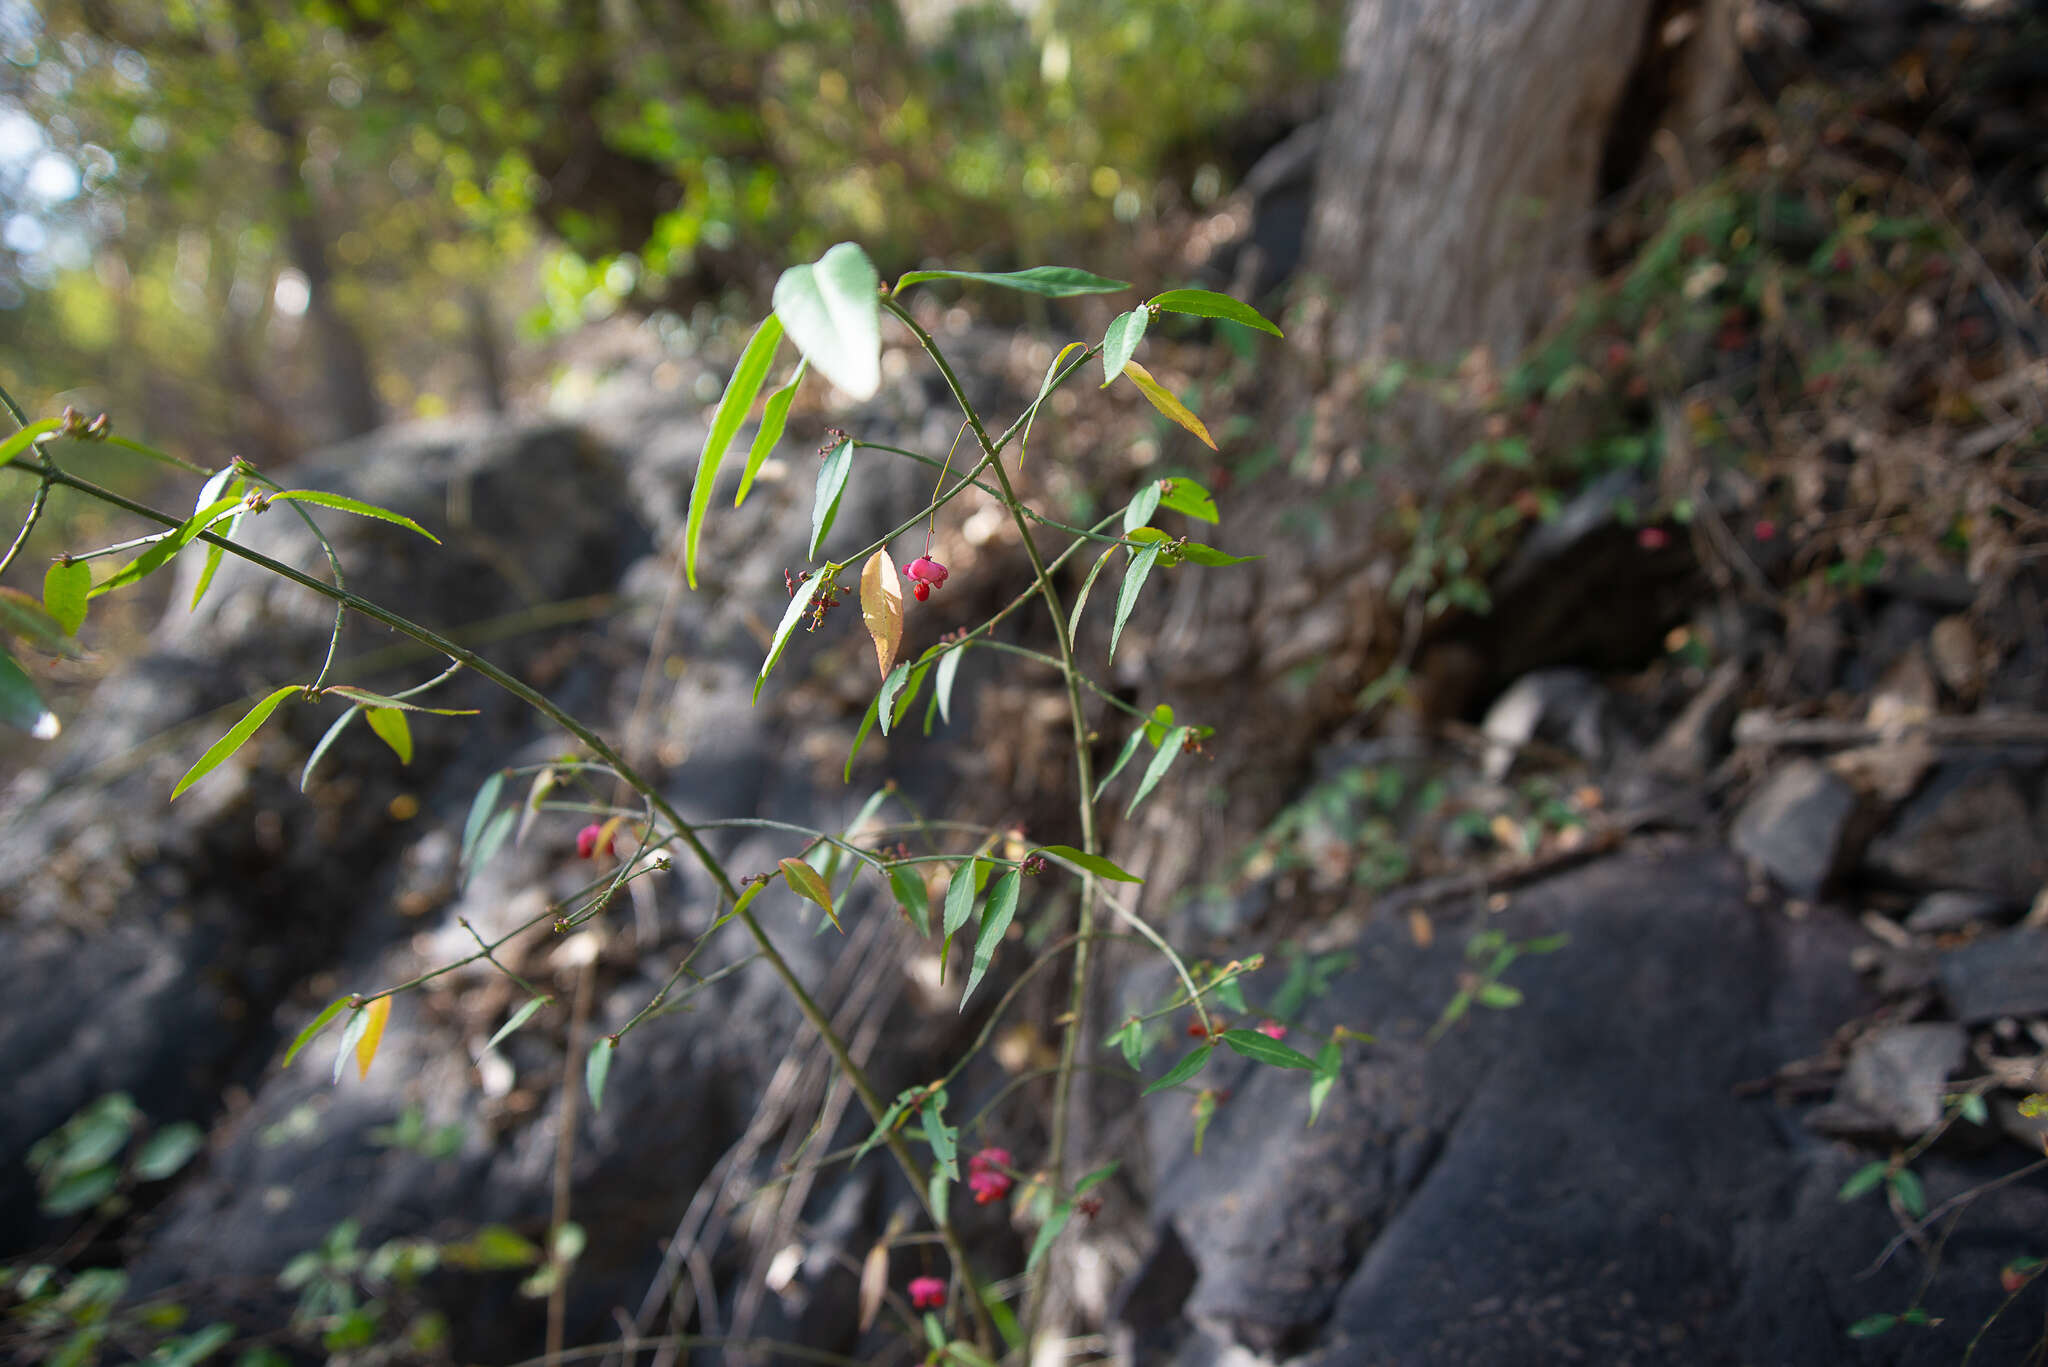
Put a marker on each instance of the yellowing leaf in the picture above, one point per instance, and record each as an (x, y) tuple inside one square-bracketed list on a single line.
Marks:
[(881, 607), (374, 1016), (805, 882), (1166, 403)]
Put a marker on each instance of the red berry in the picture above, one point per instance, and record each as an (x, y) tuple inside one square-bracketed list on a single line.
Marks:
[(920, 591)]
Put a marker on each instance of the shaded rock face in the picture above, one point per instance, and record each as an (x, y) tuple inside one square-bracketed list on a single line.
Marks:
[(1575, 1179)]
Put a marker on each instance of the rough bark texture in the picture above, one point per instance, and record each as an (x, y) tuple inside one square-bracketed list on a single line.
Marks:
[(1462, 161)]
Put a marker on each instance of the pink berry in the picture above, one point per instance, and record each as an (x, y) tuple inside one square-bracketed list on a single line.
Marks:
[(925, 574), (927, 1293)]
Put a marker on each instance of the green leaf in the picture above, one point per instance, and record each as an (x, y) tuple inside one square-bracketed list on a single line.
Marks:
[(65, 591), (2033, 1104), (949, 666), (390, 725), (342, 503), (192, 1349), (1120, 342), (805, 883), (1123, 758), (1134, 579), (351, 1034), (15, 444), (1190, 500), (1864, 1180), (774, 418), (1195, 1060), (1164, 400), (369, 699), (959, 898), (1905, 1184), (1044, 388), (494, 1248), (1971, 1107), (319, 1023), (1053, 282), (1329, 1064), (1870, 1326), (481, 808), (237, 735), (36, 624), (1093, 863), (1048, 1232), (168, 1150), (597, 1068), (327, 739), (834, 315), (943, 1138), (884, 1125), (799, 604), (1169, 751), (1081, 600), (1264, 1049), (914, 897), (885, 697), (1499, 996), (1209, 304), (738, 398), (1130, 1038), (164, 547), (519, 1018), (80, 1191), (1143, 504), (831, 484), (1209, 555), (20, 705), (995, 922)]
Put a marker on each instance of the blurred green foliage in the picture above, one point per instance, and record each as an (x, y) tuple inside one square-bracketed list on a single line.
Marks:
[(253, 172)]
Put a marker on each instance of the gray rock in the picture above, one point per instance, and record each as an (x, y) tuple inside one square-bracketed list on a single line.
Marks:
[(1895, 1081), (1998, 975), (1699, 734), (1798, 826), (1569, 708), (1939, 911), (1968, 829)]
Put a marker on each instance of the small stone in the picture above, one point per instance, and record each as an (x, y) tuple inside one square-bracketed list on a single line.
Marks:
[(1690, 745), (1969, 829), (1940, 911), (1895, 1080), (1797, 826), (1998, 975), (1958, 658)]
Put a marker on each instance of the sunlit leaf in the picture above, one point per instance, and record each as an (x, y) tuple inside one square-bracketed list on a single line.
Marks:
[(164, 547), (1209, 555), (375, 1016), (319, 1023), (740, 390), (370, 699), (36, 624), (1209, 304), (832, 311), (1166, 403), (881, 607), (390, 725), (799, 604), (1190, 500), (342, 503), (596, 1068), (1142, 561), (237, 735), (1195, 1060), (1053, 282), (1120, 342), (66, 590), (1093, 863), (1044, 388), (831, 484), (774, 417), (805, 882), (949, 666), (1169, 751), (20, 705), (351, 1035), (1143, 504), (996, 915)]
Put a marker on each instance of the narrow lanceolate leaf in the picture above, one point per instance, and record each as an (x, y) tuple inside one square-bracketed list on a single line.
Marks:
[(914, 898), (1053, 282), (319, 1023), (15, 444), (1045, 387), (327, 739), (805, 883), (481, 808), (1141, 565), (1166, 403), (1189, 499), (237, 735), (211, 564), (833, 313), (959, 898), (1123, 758), (369, 699), (799, 604), (597, 1068), (831, 484), (1081, 598), (1047, 1233), (1196, 1059), (1092, 863), (1265, 1049), (881, 607), (65, 591), (164, 547), (1120, 342), (375, 1017), (1329, 1065), (1169, 751), (732, 411), (519, 1018), (1143, 504), (342, 503), (20, 705), (949, 666), (944, 1139), (36, 624), (774, 417), (1209, 304), (390, 725), (995, 923), (1208, 555), (351, 1035)]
